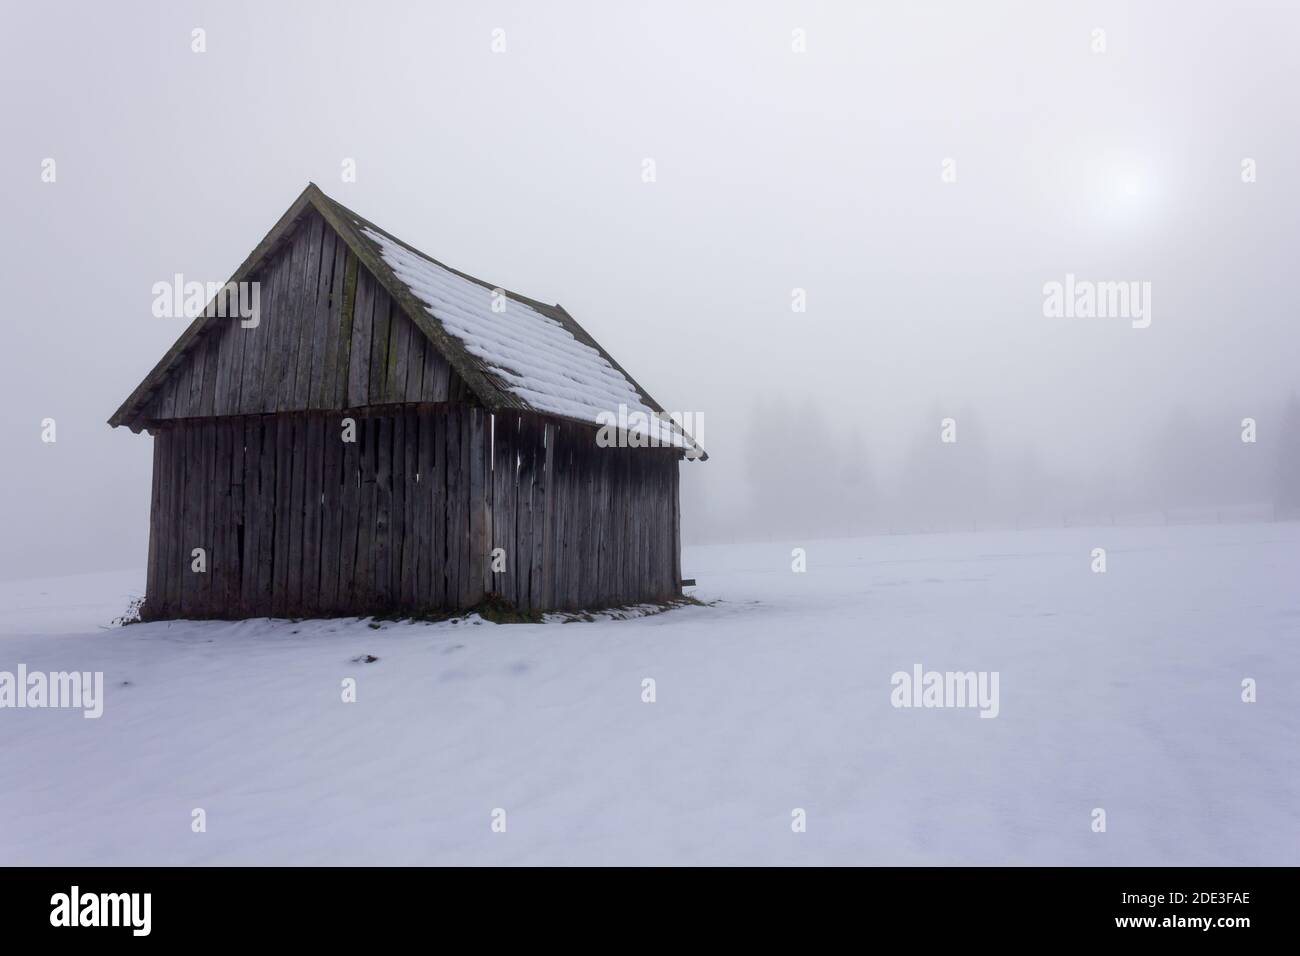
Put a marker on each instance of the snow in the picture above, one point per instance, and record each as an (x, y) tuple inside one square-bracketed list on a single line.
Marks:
[(1119, 690), (536, 357)]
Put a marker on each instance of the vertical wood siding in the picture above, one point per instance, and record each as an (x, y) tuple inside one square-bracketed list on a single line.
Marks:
[(296, 522), (328, 337), (581, 526)]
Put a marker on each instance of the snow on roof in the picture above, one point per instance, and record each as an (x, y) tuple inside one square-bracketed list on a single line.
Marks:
[(530, 356), (535, 357)]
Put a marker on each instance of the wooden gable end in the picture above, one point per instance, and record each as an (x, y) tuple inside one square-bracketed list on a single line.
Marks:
[(328, 336)]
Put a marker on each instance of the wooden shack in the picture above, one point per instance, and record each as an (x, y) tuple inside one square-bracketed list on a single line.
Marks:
[(391, 435)]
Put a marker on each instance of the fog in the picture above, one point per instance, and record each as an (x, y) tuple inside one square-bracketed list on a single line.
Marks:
[(920, 172)]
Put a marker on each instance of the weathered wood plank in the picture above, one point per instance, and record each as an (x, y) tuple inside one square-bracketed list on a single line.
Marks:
[(254, 398), (523, 549), (630, 542), (560, 488), (503, 486), (247, 388), (536, 578), (343, 363), (577, 517), (173, 510), (238, 350), (250, 469), (548, 517), (363, 582), (382, 319), (311, 525), (320, 320), (190, 494), (457, 529), (197, 365), (675, 503), (362, 328), (598, 520), (167, 530), (383, 544), (297, 514), (587, 554), (235, 513), (151, 584), (306, 313), (266, 489), (201, 491), (280, 326), (211, 532), (178, 391), (471, 575), (397, 523), (283, 486), (292, 319), (411, 493), (182, 438), (562, 485), (425, 558), (612, 495), (160, 526), (331, 513), (349, 521), (219, 527), (226, 347), (438, 487), (480, 532), (207, 402), (327, 395), (279, 322), (399, 350), (254, 351), (167, 399), (415, 365), (436, 378)]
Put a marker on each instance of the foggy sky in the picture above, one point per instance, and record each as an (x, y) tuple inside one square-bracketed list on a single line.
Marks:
[(775, 171)]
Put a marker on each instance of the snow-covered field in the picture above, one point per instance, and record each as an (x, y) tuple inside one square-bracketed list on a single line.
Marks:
[(1119, 690)]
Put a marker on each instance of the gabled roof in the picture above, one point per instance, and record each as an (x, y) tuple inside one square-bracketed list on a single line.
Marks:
[(512, 352)]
